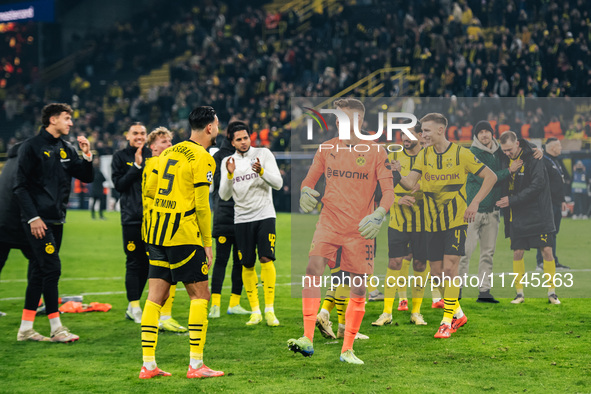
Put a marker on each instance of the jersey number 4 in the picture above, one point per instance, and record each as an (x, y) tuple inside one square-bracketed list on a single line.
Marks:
[(168, 176)]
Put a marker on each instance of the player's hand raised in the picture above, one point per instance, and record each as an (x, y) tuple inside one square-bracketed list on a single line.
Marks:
[(231, 165), (256, 167), (84, 145), (138, 155), (308, 199)]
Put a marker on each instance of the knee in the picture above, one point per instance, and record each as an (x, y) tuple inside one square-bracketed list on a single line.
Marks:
[(419, 266)]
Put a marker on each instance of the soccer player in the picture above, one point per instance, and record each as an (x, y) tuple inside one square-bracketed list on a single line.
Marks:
[(127, 167), (443, 167), (406, 239), (248, 177), (46, 165), (225, 239), (158, 140), (485, 227), (529, 220), (348, 223), (179, 239)]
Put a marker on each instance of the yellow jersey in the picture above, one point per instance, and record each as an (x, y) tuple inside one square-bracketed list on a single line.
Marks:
[(179, 185), (149, 167), (402, 217), (444, 185)]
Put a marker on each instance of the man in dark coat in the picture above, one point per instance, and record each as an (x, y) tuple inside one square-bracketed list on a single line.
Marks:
[(528, 214)]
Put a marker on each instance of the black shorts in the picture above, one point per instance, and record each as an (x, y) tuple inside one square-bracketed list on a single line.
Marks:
[(183, 263), (253, 236), (533, 241), (401, 244), (449, 242)]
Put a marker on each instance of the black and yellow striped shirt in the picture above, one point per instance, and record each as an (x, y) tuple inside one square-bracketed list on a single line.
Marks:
[(404, 218), (444, 184)]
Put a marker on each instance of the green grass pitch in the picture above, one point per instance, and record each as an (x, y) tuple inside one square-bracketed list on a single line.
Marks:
[(533, 347)]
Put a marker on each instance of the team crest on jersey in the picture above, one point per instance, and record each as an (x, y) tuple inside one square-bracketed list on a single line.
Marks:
[(222, 240), (49, 249), (130, 246), (209, 177), (312, 247), (360, 161), (204, 269), (63, 154)]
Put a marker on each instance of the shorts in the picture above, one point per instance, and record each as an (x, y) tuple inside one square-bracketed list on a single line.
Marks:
[(401, 244), (182, 263), (255, 236), (357, 252), (533, 241), (448, 242)]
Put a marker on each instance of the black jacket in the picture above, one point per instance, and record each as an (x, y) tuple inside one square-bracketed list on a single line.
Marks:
[(43, 182), (96, 187), (223, 214), (11, 229), (555, 176), (530, 199), (127, 179)]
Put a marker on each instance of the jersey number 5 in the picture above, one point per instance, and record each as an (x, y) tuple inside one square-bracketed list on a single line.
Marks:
[(169, 177)]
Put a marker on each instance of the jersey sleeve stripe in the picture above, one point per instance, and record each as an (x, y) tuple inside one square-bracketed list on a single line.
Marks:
[(481, 168), (190, 212), (154, 171), (202, 184), (415, 170)]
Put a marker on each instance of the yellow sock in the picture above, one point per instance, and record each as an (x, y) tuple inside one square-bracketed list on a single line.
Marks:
[(390, 291), (150, 318), (418, 290), (197, 328), (134, 304), (250, 279), (167, 307), (371, 288), (451, 299), (234, 299), (328, 303), (341, 301), (519, 269), (404, 272), (269, 277), (216, 299), (550, 268)]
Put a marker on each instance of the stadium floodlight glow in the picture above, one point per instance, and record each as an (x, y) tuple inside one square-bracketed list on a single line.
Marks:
[(344, 124)]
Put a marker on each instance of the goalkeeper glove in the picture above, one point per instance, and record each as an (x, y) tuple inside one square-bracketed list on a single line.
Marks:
[(369, 227), (307, 200)]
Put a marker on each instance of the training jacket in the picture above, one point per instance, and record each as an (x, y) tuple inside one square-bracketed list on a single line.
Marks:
[(11, 229), (251, 192), (46, 166), (127, 179)]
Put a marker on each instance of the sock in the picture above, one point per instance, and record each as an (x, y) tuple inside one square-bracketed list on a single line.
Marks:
[(418, 290), (269, 309), (550, 268), (328, 303), (371, 288), (216, 299), (234, 299), (269, 277), (197, 331), (166, 311), (519, 269), (459, 313), (150, 319), (134, 306), (310, 304), (390, 291), (341, 302), (436, 294), (54, 321), (250, 279), (404, 272), (27, 320), (355, 313), (450, 300)]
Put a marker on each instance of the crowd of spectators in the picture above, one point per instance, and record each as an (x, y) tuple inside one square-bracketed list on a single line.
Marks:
[(472, 48)]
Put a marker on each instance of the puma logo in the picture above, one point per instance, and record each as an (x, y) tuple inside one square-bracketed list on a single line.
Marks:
[(46, 153), (544, 238), (455, 247)]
